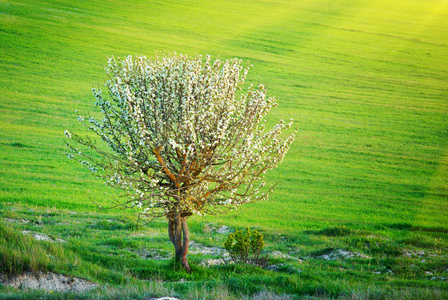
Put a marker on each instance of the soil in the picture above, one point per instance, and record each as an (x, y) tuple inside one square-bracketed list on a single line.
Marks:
[(47, 281)]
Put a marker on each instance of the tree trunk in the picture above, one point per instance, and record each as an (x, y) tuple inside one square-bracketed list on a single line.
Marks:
[(180, 237)]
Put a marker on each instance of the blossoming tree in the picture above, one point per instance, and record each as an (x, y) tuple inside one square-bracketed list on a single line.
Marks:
[(182, 140)]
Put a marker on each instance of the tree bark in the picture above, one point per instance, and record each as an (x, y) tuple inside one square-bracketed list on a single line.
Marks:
[(180, 237)]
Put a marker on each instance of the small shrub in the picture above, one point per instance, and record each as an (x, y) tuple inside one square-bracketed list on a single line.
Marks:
[(246, 247)]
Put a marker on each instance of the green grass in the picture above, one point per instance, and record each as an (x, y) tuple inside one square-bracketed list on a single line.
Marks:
[(366, 83), (105, 249)]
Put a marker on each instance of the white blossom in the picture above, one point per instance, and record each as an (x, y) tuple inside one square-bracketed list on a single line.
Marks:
[(67, 134), (181, 132)]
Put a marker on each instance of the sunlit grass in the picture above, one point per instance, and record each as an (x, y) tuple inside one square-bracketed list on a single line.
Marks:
[(366, 83)]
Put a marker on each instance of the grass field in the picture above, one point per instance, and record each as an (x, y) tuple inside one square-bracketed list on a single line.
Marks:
[(366, 82)]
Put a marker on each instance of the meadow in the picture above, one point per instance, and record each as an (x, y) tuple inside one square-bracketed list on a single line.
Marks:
[(367, 85)]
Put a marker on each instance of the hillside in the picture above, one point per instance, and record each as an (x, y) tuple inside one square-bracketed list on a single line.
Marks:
[(366, 83)]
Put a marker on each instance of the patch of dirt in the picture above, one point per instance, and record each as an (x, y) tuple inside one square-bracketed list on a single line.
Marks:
[(388, 272), (342, 254), (411, 253), (151, 254), (48, 281), (276, 267), (440, 278), (278, 254), (137, 234), (197, 248), (15, 221), (270, 296), (41, 237), (223, 230), (212, 228), (212, 262)]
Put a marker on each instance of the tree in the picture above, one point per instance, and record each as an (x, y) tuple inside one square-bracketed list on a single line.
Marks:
[(180, 140)]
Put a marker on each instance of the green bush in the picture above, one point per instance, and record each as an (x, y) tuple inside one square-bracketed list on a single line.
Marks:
[(246, 247)]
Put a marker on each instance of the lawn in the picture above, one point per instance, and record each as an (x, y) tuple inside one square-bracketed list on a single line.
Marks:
[(365, 81)]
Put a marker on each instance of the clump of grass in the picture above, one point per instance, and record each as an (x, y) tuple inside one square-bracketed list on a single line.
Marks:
[(321, 252), (391, 293), (20, 253), (390, 248), (336, 231), (423, 241), (113, 225)]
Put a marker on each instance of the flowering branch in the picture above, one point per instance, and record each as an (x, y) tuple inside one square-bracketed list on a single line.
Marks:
[(180, 136)]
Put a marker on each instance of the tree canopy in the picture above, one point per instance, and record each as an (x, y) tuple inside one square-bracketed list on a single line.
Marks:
[(182, 138)]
